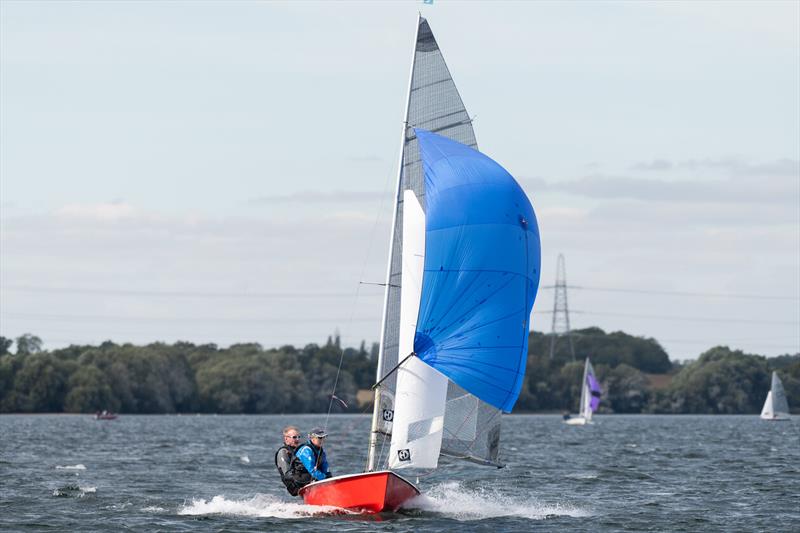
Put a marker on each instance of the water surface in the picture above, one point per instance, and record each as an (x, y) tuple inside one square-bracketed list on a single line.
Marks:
[(216, 473)]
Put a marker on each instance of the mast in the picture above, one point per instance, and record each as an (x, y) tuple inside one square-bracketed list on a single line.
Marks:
[(373, 436)]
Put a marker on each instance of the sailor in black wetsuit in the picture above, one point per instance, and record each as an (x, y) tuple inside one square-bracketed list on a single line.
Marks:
[(284, 458)]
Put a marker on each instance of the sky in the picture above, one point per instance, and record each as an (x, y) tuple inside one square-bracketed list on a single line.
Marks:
[(223, 171)]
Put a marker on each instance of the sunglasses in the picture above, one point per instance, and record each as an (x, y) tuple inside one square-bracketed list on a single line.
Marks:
[(293, 436)]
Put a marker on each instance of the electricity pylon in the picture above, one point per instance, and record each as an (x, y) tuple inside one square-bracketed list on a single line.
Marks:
[(560, 310)]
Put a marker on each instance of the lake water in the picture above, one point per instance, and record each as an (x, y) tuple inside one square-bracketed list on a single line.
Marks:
[(216, 473)]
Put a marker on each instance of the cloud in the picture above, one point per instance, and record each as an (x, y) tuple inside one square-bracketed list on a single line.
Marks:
[(768, 189), (733, 166), (115, 210), (696, 182), (617, 231), (656, 164), (318, 197), (104, 247)]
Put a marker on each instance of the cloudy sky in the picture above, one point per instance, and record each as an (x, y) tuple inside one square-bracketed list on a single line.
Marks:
[(222, 171)]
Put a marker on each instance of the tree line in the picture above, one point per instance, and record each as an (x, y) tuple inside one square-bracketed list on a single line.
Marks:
[(635, 373)]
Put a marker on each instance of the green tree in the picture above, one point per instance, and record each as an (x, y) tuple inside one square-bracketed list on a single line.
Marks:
[(5, 344), (89, 392), (721, 381), (28, 344), (790, 377), (626, 390)]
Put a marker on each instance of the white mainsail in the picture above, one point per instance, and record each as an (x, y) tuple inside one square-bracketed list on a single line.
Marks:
[(776, 406), (767, 411)]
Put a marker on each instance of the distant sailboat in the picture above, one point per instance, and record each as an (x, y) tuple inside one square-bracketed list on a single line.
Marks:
[(775, 407), (590, 397)]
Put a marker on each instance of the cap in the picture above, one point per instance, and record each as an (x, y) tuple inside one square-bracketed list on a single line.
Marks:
[(318, 432)]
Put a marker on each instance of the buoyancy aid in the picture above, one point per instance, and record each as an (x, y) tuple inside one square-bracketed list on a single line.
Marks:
[(294, 478), (318, 461)]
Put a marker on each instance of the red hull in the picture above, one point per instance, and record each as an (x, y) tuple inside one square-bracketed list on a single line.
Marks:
[(372, 492)]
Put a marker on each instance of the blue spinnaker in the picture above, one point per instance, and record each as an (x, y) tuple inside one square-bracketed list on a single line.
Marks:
[(482, 260)]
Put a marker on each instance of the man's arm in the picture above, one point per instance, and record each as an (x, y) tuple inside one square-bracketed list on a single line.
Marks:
[(284, 461)]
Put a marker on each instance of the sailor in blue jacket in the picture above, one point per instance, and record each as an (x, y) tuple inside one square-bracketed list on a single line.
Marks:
[(312, 456)]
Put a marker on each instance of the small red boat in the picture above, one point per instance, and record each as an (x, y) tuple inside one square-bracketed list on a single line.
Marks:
[(373, 492), (105, 415)]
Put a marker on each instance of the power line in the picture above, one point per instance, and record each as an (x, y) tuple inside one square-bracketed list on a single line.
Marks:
[(679, 293), (265, 320), (255, 295), (678, 318), (111, 318), (177, 294), (691, 319)]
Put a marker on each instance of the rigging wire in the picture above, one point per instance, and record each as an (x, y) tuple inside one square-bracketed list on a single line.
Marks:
[(370, 243)]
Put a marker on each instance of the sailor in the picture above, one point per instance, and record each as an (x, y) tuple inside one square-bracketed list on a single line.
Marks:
[(310, 457), (284, 457)]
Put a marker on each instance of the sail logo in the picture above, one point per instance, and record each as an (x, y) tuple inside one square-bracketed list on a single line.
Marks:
[(388, 415), (404, 455)]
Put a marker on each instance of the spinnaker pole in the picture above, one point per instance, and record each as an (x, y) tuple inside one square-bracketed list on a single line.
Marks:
[(376, 410)]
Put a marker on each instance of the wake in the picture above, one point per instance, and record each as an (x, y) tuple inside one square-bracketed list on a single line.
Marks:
[(260, 505), (449, 499), (452, 500)]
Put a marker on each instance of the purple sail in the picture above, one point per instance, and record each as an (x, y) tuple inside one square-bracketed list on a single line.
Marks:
[(596, 391)]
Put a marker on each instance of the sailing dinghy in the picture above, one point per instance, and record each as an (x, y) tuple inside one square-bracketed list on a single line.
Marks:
[(590, 397), (463, 273), (776, 407)]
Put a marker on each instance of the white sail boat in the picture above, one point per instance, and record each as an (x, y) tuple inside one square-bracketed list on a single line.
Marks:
[(463, 273), (776, 407), (590, 397)]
